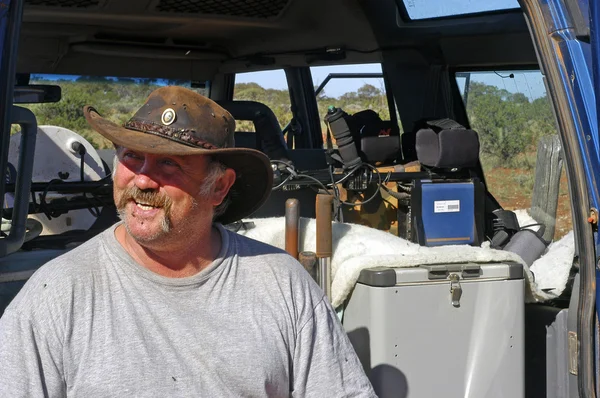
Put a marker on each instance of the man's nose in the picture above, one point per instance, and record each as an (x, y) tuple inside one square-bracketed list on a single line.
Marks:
[(146, 177)]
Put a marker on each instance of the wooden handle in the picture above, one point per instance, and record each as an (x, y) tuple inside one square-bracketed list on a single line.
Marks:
[(309, 262), (324, 235), (292, 219)]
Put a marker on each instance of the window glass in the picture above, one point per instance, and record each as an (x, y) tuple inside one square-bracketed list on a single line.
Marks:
[(359, 87), (512, 114), (425, 9), (116, 98), (267, 87)]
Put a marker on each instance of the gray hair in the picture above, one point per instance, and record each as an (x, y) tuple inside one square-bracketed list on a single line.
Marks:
[(216, 170)]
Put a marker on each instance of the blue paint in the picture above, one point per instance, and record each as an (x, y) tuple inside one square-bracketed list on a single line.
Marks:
[(581, 83)]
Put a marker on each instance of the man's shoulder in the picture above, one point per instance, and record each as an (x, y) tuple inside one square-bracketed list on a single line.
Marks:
[(255, 251), (255, 246), (269, 264), (56, 280), (276, 278), (77, 261)]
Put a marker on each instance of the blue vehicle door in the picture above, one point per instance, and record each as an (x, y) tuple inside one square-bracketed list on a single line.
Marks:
[(565, 34)]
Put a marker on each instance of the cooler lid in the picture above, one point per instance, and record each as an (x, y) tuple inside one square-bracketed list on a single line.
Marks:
[(388, 276)]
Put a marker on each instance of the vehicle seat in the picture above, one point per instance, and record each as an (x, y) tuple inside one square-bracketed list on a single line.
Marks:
[(269, 139)]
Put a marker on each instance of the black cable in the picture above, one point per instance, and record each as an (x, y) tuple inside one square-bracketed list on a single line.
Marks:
[(315, 180), (96, 211), (81, 167), (511, 76), (288, 164), (282, 183), (374, 194), (349, 174), (33, 200), (396, 195), (405, 188), (294, 175), (337, 205), (43, 204)]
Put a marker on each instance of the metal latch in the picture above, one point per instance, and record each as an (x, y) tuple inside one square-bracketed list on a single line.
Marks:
[(455, 290)]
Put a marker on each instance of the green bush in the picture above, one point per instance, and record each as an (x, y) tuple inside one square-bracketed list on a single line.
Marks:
[(508, 124)]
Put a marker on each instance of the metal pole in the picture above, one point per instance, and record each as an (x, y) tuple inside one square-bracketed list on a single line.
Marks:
[(324, 241), (292, 219)]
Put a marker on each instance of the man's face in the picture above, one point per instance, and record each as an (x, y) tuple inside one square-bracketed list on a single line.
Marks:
[(158, 197)]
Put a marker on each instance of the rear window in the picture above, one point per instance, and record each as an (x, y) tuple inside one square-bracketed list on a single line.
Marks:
[(353, 88)]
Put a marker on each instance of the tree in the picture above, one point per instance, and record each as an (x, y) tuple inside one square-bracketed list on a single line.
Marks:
[(368, 91), (500, 121), (93, 79)]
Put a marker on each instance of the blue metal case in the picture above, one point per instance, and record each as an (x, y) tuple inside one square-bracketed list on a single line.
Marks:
[(445, 213)]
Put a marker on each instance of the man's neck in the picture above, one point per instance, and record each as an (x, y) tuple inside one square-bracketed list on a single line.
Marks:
[(171, 261)]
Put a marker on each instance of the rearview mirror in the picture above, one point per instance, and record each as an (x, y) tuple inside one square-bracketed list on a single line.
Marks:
[(36, 94)]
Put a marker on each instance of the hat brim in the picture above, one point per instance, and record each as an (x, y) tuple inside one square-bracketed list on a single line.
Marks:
[(254, 175)]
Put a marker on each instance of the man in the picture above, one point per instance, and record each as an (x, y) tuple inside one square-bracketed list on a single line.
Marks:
[(168, 303)]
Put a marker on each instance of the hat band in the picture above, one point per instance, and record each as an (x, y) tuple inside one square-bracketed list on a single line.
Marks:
[(184, 136)]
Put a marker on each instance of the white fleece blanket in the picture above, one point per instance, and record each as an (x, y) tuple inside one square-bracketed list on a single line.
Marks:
[(356, 247), (551, 271)]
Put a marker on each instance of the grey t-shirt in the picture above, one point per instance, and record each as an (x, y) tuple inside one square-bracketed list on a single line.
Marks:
[(94, 323)]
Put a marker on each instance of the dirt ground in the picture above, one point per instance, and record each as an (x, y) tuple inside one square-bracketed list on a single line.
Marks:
[(513, 188)]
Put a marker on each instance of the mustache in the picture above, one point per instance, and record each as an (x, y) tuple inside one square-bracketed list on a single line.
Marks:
[(148, 196)]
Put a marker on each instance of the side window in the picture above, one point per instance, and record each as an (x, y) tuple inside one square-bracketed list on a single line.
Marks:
[(520, 150), (353, 88), (267, 87)]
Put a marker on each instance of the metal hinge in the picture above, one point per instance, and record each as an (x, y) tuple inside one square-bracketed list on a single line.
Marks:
[(455, 290), (573, 353)]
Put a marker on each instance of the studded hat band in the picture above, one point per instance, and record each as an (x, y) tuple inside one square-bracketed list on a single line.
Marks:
[(184, 136)]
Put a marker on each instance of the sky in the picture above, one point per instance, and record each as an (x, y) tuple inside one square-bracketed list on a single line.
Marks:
[(335, 87)]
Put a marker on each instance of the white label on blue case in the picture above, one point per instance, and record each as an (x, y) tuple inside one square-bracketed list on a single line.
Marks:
[(446, 206)]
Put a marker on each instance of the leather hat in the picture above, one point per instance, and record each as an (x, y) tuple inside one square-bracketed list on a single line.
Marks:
[(177, 121)]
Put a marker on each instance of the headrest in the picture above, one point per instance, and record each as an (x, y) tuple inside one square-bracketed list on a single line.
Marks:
[(368, 124), (380, 149), (447, 144), (265, 124)]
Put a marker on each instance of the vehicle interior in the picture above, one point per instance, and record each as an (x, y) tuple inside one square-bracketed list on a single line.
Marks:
[(429, 65)]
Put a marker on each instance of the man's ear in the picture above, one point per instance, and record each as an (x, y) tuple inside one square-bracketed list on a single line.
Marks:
[(222, 186)]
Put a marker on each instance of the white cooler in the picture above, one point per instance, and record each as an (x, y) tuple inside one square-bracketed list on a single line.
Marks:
[(453, 330)]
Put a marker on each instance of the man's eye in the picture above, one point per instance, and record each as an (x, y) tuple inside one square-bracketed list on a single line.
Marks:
[(169, 162), (131, 155)]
